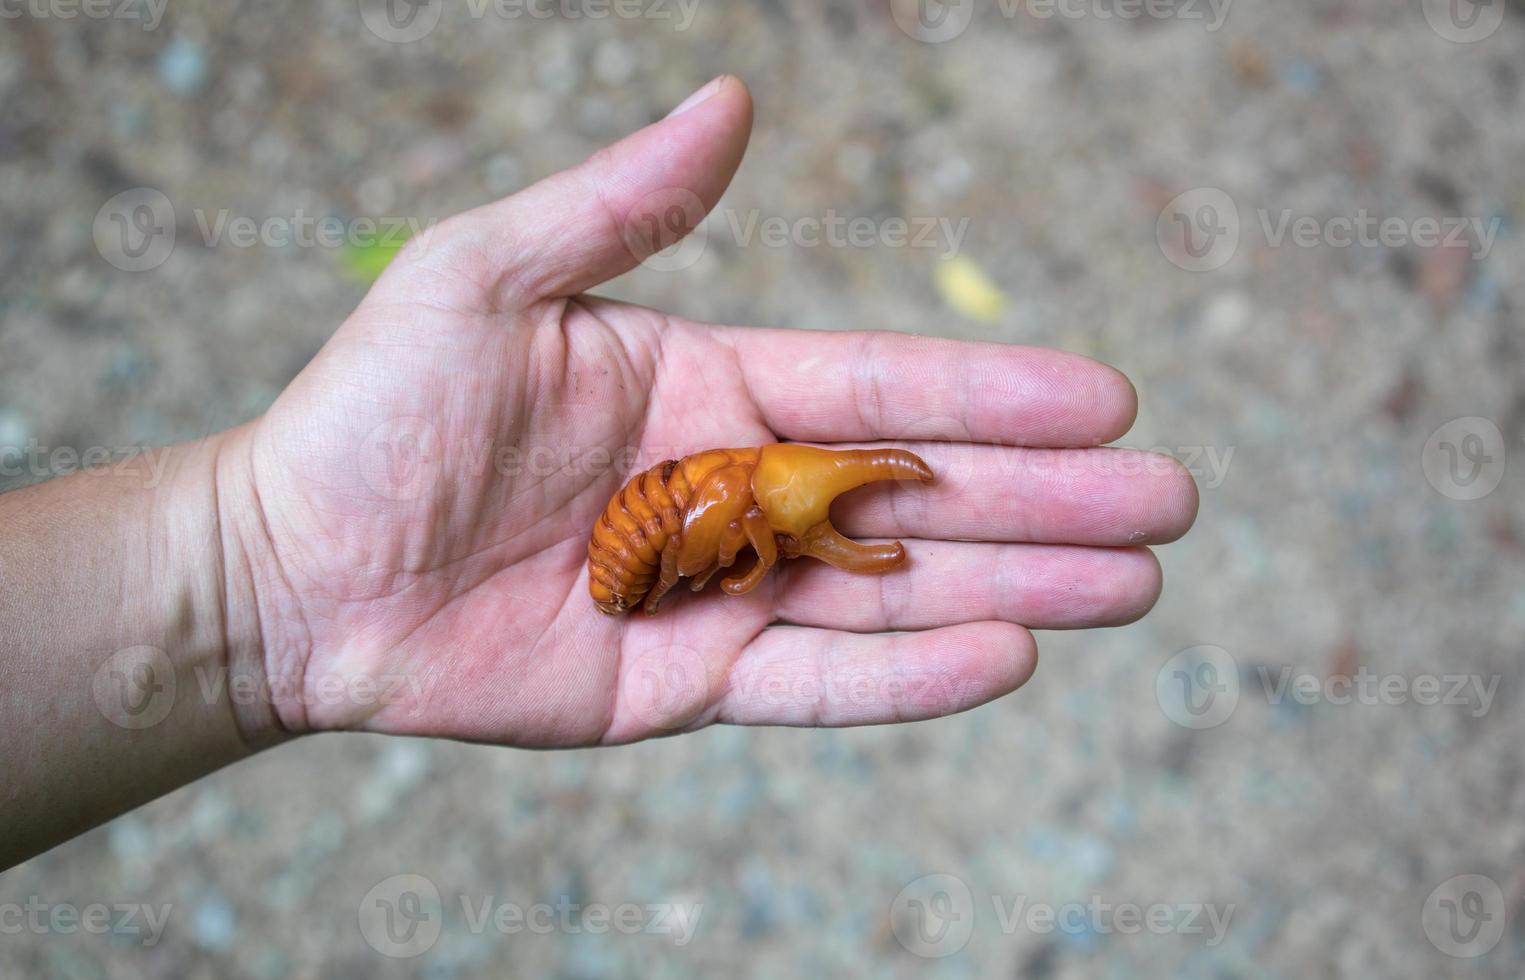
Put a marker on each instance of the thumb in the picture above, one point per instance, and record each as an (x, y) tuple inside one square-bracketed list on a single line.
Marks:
[(583, 226)]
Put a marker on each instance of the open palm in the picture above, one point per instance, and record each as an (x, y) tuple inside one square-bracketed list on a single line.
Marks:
[(427, 485)]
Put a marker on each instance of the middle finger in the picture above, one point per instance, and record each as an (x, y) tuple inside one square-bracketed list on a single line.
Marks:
[(1106, 497)]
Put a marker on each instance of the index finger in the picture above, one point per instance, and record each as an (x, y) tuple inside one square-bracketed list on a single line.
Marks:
[(830, 387)]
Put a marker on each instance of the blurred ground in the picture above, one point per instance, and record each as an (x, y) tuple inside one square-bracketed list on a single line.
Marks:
[(1302, 382)]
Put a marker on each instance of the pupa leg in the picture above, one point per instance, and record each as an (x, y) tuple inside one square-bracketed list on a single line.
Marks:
[(823, 542), (732, 540), (667, 579), (760, 535), (698, 582)]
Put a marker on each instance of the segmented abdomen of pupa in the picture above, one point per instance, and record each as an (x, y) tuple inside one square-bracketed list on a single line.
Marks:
[(625, 552)]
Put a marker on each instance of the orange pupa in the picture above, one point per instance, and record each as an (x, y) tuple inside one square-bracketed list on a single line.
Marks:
[(691, 517)]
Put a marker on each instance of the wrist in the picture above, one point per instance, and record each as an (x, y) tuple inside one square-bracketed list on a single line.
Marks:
[(262, 635), (196, 534)]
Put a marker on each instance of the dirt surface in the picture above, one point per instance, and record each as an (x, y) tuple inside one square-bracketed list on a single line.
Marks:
[(1298, 335)]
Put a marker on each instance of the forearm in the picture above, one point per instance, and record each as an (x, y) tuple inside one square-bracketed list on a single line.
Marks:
[(119, 655)]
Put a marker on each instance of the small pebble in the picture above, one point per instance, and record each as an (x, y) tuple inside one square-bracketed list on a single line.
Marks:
[(613, 63), (14, 430), (1302, 77), (952, 175), (215, 924), (376, 194), (406, 762), (183, 66), (1227, 314), (855, 162), (558, 71)]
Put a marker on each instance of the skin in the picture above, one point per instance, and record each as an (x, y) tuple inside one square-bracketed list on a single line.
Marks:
[(381, 551)]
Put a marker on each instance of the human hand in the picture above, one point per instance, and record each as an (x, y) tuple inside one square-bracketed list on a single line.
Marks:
[(413, 511)]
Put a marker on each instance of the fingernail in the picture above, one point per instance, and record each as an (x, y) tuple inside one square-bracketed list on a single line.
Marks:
[(708, 89)]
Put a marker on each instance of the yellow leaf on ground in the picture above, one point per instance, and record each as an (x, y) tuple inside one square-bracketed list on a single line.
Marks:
[(965, 287)]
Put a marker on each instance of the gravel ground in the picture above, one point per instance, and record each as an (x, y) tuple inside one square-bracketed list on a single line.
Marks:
[(1198, 794)]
